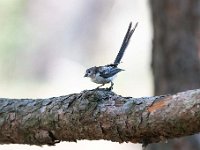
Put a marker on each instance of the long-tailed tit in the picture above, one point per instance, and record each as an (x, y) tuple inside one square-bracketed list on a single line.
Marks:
[(105, 74)]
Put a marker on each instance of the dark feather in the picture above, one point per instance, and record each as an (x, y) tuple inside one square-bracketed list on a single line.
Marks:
[(110, 72), (125, 43)]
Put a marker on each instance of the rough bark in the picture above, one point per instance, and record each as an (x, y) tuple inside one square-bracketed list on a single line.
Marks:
[(176, 55), (99, 114)]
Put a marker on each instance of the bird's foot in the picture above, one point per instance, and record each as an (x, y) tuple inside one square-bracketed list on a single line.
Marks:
[(110, 88)]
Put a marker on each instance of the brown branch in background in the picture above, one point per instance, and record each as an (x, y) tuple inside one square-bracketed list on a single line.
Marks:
[(99, 114)]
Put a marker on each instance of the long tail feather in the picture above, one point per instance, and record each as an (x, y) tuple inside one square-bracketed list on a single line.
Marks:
[(125, 43)]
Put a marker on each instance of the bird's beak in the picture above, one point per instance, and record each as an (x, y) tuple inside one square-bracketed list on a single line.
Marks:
[(86, 75)]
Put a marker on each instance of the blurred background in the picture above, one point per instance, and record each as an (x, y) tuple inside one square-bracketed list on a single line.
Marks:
[(46, 46)]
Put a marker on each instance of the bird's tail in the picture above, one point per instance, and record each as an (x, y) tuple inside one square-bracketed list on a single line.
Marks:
[(125, 43)]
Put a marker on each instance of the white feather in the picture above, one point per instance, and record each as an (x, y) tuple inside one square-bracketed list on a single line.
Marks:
[(100, 80)]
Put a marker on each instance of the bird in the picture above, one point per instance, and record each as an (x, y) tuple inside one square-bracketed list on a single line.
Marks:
[(105, 74)]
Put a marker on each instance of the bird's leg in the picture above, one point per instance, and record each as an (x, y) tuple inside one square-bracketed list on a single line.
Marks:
[(100, 86), (111, 86)]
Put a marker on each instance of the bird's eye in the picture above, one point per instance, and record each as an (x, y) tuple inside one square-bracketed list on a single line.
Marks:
[(88, 71)]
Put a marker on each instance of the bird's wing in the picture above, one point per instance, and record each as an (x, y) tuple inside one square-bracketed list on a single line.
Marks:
[(109, 71)]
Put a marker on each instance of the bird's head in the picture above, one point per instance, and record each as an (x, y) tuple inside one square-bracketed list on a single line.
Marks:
[(90, 72)]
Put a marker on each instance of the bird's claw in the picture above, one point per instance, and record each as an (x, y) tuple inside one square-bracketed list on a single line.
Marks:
[(110, 88)]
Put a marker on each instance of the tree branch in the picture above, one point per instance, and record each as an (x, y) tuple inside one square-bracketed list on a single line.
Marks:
[(99, 114)]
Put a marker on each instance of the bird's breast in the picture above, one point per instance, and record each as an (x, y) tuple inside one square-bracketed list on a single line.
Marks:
[(100, 80)]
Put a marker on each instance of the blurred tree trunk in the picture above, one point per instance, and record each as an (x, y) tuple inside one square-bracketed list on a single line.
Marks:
[(176, 55)]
